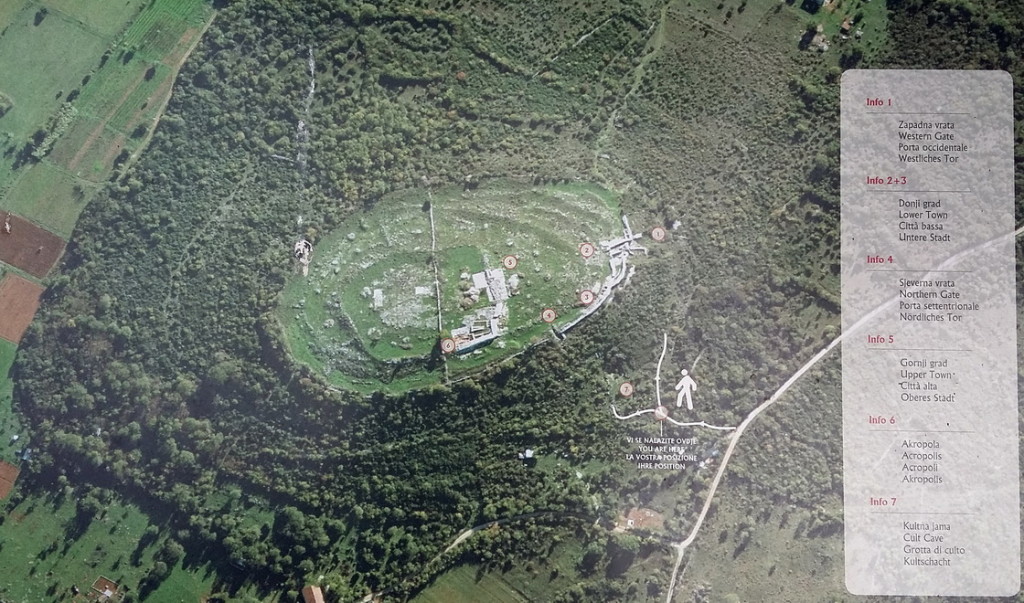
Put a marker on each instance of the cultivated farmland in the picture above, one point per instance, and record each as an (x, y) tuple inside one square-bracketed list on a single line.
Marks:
[(27, 246), (69, 119), (51, 195), (36, 88), (10, 425), (19, 299)]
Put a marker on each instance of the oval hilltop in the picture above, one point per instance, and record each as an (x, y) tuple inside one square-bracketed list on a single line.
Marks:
[(428, 286)]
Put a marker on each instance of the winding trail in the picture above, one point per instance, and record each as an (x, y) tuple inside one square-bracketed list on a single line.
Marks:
[(682, 545), (657, 375), (657, 391), (465, 534), (166, 99), (734, 440), (655, 41), (302, 128), (437, 280), (670, 419)]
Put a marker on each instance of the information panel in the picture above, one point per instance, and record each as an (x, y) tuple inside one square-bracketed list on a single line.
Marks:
[(930, 434)]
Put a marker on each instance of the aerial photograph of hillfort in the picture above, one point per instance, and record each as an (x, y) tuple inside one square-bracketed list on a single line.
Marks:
[(435, 301)]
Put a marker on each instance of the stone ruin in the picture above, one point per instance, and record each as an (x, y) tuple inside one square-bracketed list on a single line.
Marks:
[(303, 253)]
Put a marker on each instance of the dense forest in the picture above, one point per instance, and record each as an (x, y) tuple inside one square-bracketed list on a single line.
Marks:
[(923, 34), (175, 383), (155, 366), (951, 34)]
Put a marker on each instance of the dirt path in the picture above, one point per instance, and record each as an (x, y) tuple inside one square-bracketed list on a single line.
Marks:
[(175, 69), (650, 50), (468, 532), (463, 536), (164, 91), (682, 546), (98, 130)]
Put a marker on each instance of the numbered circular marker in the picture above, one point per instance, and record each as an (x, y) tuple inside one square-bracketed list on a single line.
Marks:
[(661, 413), (587, 250), (510, 262), (658, 233), (626, 389), (587, 297), (447, 345), (548, 315)]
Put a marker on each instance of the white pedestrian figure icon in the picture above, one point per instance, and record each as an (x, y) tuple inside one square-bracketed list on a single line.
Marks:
[(685, 387)]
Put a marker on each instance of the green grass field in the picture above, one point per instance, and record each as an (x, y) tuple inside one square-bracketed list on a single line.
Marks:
[(185, 585), (157, 31), (331, 318), (118, 99), (9, 423), (779, 555), (36, 87), (44, 554), (109, 89), (88, 149), (465, 584), (9, 10), (106, 18), (138, 104), (50, 197), (551, 573)]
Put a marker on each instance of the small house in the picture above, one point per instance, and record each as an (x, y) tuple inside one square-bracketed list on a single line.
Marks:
[(312, 594)]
